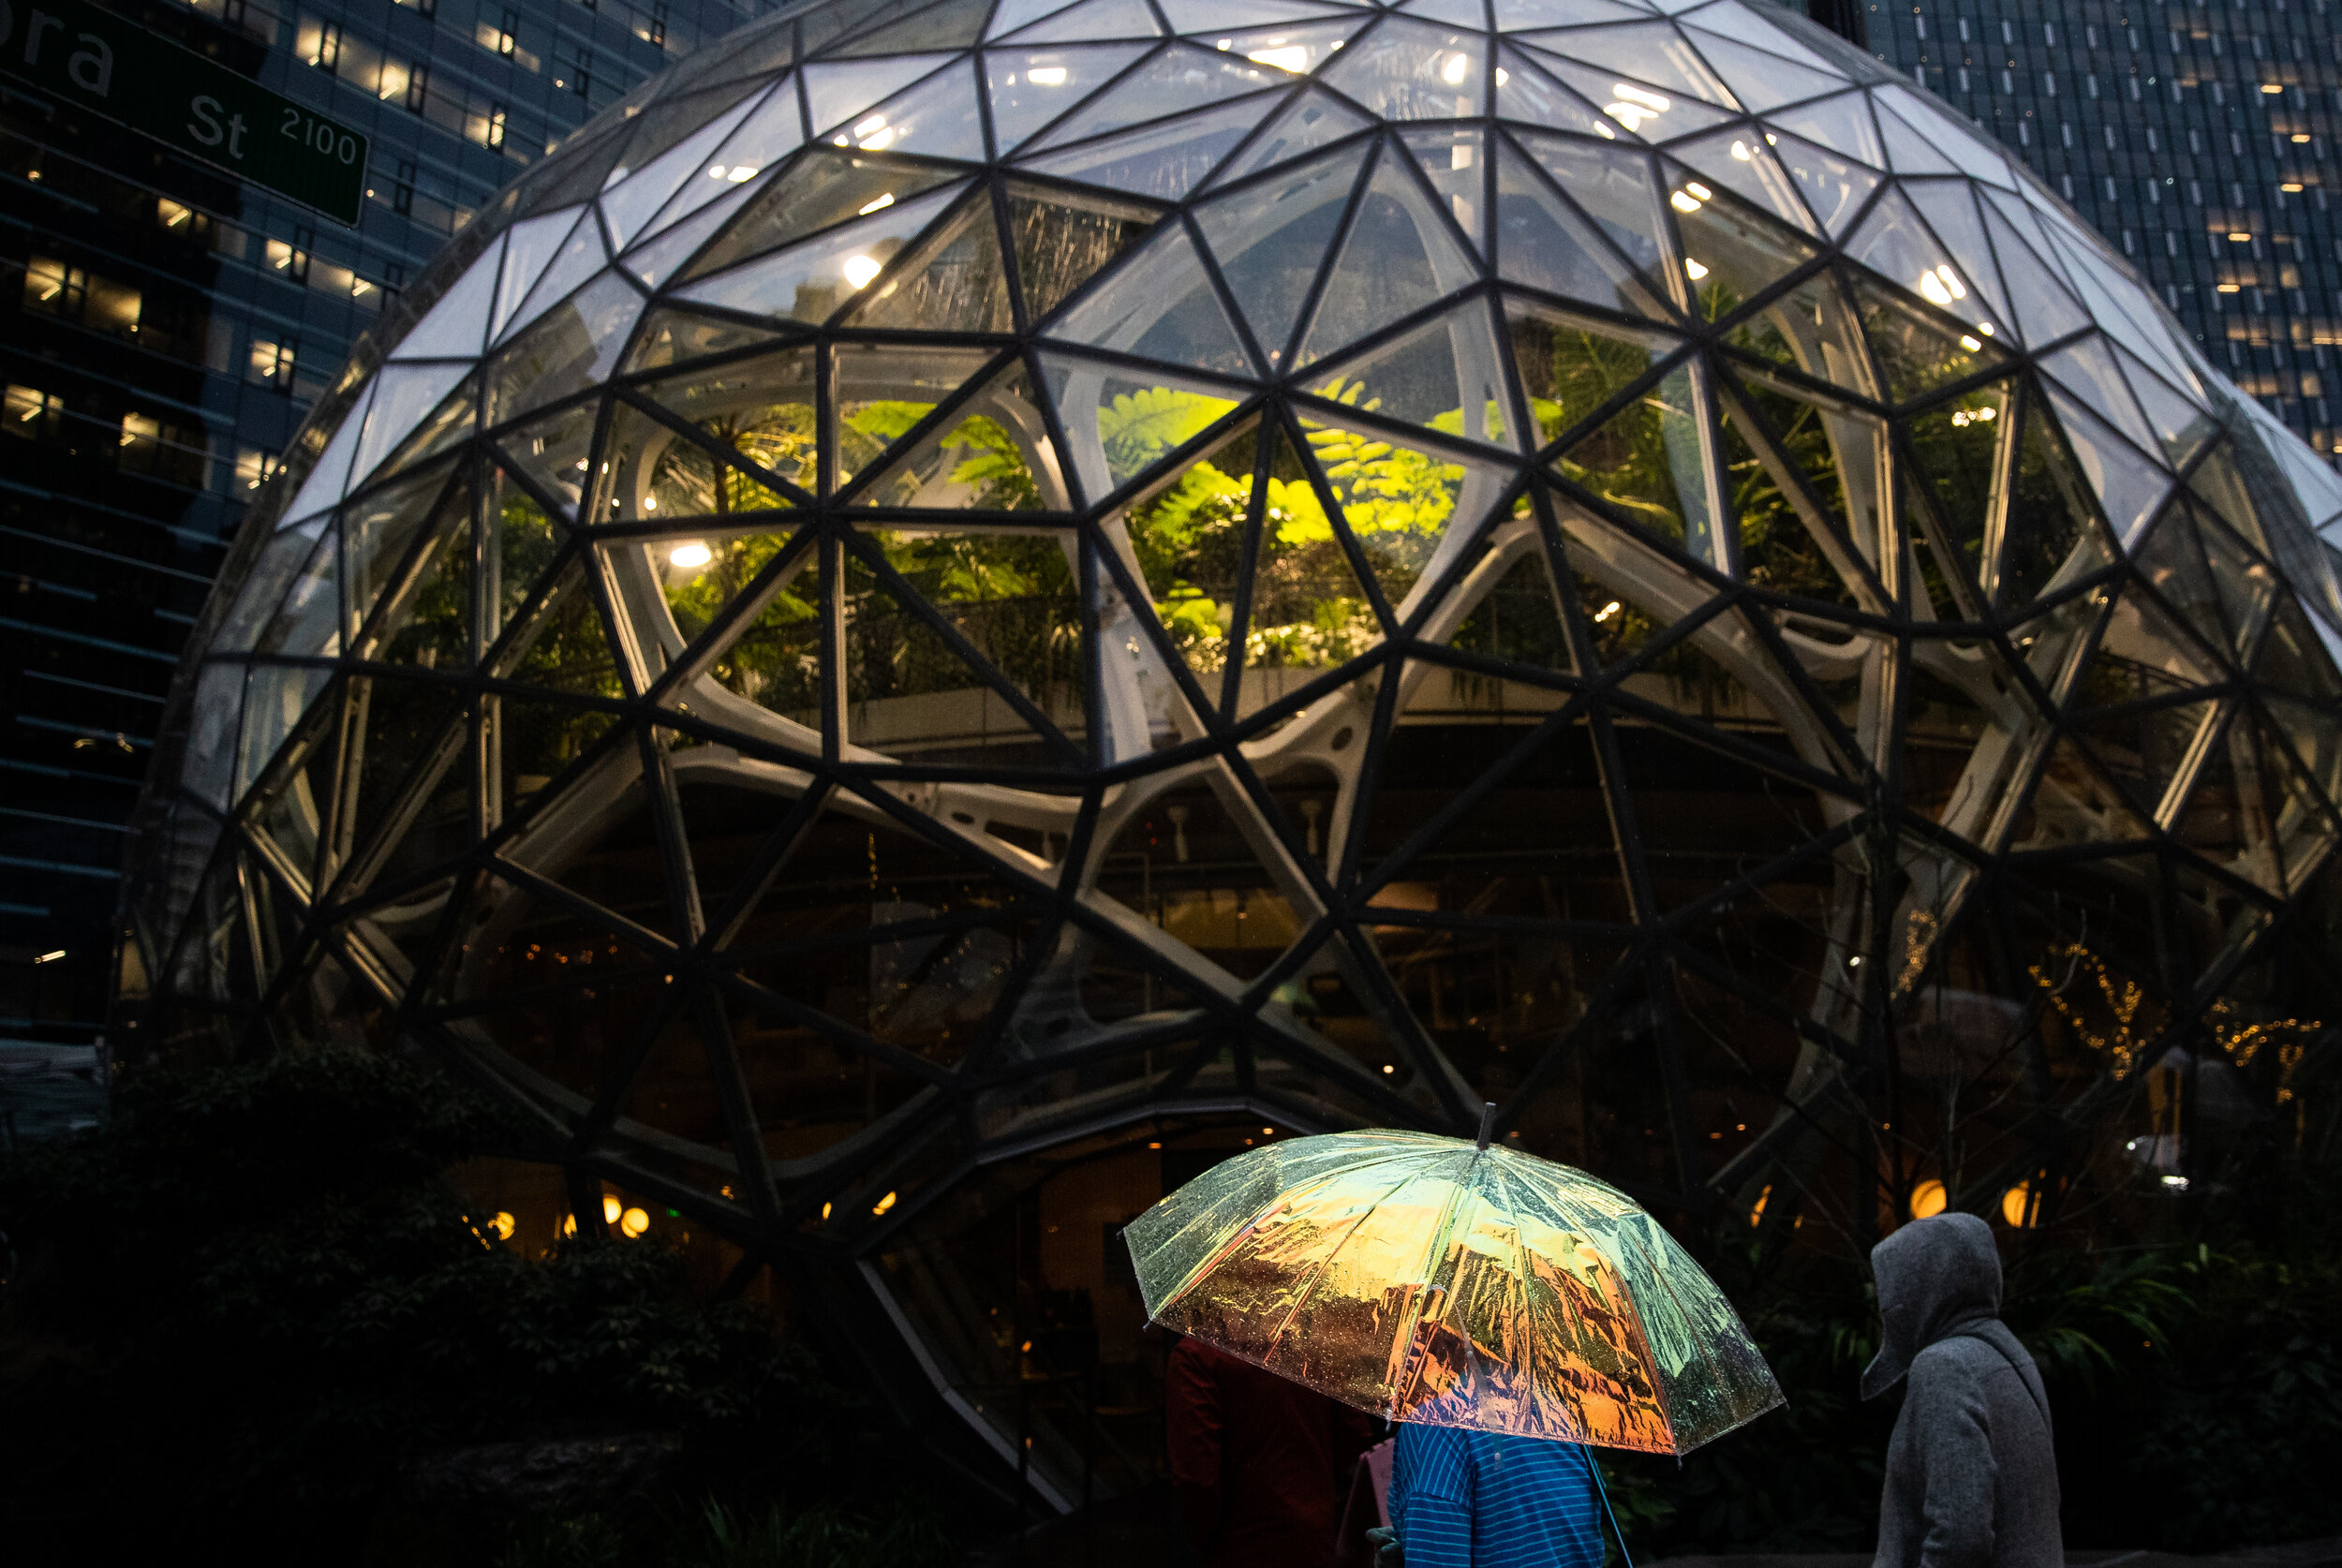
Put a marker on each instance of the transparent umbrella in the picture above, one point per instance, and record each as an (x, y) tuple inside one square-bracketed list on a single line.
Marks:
[(1429, 1279)]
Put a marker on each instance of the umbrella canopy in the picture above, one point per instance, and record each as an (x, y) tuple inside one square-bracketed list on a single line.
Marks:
[(1426, 1280)]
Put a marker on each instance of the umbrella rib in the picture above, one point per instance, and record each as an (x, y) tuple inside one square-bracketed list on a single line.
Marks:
[(1527, 1295), (1658, 1382)]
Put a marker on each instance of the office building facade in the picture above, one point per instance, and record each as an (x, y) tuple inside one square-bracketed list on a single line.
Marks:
[(164, 330), (2198, 138)]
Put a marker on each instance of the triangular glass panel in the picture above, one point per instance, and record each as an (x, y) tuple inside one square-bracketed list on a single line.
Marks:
[(1306, 611), (1649, 463), (937, 118), (1062, 240), (649, 473), (2128, 485), (883, 391), (1613, 187), (772, 655), (399, 728), (661, 123), (1762, 81), (1842, 124), (1894, 243), (1975, 157), (580, 257), (1454, 160), (2076, 803), (276, 696), (2179, 423), (404, 395), (1651, 51), (1031, 87), (955, 281), (661, 256), (2293, 659), (1653, 113), (1458, 14), (1731, 252), (2045, 308), (1525, 93), (671, 337), (289, 820), (820, 190), (810, 281), (1162, 161), (1013, 14), (629, 206), (1308, 122), (1414, 70), (519, 546), (449, 423), (1834, 188), (2141, 654), (1741, 160), (2049, 538), (1445, 375), (697, 576), (1543, 243), (574, 347), (1121, 423), (308, 625), (836, 96), (2219, 485), (1909, 151), (1916, 351), (1398, 256), (2300, 826), (991, 454), (263, 589), (2231, 809), (1811, 328), (1413, 509), (1269, 239), (1958, 448), (1952, 213), (1092, 20), (913, 695), (772, 130), (456, 325), (1217, 16), (1519, 617), (1180, 78), (952, 24), (1514, 16), (2171, 561), (1296, 49), (554, 451), (378, 531), (2246, 583), (1778, 547), (1571, 369), (1159, 304), (565, 647), (1187, 533), (428, 623), (529, 249), (671, 1093)]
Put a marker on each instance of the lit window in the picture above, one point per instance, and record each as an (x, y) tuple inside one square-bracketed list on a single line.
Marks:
[(30, 414)]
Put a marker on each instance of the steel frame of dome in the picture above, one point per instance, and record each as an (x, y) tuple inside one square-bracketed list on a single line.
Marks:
[(995, 446)]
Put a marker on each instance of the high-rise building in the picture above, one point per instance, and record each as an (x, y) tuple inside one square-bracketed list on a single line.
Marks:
[(168, 326), (2197, 138)]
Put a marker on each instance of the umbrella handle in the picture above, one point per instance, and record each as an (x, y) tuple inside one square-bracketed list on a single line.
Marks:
[(1488, 1122)]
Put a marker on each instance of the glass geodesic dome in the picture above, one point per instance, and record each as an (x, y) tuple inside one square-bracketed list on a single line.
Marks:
[(951, 589)]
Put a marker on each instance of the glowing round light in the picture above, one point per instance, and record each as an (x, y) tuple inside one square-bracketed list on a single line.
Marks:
[(1927, 1198), (635, 1221), (690, 557), (860, 270)]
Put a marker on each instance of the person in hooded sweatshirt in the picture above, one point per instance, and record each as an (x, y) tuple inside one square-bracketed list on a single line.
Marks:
[(1971, 1476)]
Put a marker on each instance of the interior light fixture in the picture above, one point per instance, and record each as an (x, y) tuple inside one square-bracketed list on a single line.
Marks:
[(1694, 270), (1047, 76), (860, 270), (690, 555), (1457, 69), (869, 207)]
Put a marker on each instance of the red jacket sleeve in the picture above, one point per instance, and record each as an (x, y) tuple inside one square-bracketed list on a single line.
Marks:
[(1194, 1420)]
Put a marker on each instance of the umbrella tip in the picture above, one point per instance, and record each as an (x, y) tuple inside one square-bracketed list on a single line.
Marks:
[(1488, 1121)]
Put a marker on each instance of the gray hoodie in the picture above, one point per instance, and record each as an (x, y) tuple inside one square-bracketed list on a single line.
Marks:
[(1971, 1476)]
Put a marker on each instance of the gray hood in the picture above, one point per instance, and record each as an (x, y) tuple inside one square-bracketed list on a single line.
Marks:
[(1934, 1276)]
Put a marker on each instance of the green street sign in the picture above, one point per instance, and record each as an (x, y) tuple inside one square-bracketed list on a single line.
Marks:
[(102, 62)]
